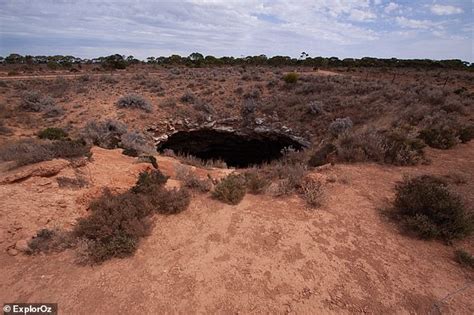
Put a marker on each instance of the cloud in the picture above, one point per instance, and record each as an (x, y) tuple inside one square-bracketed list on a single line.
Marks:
[(392, 6), (89, 28), (416, 24), (439, 9)]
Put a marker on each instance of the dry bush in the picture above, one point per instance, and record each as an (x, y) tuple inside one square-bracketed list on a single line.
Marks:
[(118, 221), (188, 97), (231, 189), (29, 151), (191, 180), (46, 241), (134, 101), (290, 78), (53, 134), (323, 155), (35, 102), (72, 183), (105, 134), (340, 126), (312, 192), (464, 258), (256, 183), (135, 143), (427, 207)]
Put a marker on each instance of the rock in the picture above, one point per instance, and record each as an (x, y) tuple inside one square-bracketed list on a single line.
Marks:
[(12, 251), (42, 169), (22, 246)]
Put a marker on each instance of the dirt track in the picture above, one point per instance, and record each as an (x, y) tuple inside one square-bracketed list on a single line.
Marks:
[(264, 255)]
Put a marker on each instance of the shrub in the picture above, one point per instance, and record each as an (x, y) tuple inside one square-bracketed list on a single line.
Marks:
[(255, 183), (290, 78), (190, 180), (323, 155), (312, 192), (116, 223), (466, 133), (47, 240), (67, 182), (134, 101), (340, 125), (188, 97), (440, 137), (34, 102), (365, 146), (148, 181), (171, 201), (29, 151), (105, 134), (53, 134), (430, 209), (315, 108), (464, 258), (135, 143), (230, 189), (403, 150)]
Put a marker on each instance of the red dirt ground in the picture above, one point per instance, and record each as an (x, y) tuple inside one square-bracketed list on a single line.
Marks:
[(265, 255)]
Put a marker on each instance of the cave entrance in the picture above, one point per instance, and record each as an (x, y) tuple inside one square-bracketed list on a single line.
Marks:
[(236, 149)]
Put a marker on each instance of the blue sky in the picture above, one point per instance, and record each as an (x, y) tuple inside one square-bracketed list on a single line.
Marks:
[(437, 29)]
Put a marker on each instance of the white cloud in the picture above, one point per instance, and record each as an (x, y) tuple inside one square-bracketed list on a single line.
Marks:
[(416, 24), (361, 15), (392, 6), (439, 9)]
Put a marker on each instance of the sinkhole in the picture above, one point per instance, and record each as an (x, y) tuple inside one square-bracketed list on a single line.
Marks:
[(237, 149)]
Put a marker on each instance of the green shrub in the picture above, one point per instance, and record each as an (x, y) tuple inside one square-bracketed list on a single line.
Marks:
[(464, 258), (148, 181), (47, 240), (431, 210), (53, 134), (230, 190), (290, 78), (440, 137), (118, 221)]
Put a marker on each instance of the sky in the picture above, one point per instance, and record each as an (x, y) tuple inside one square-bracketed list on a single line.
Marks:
[(434, 29)]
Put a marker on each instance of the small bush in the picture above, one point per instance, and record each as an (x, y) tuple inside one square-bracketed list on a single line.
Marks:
[(464, 258), (172, 201), (431, 210), (312, 192), (230, 189), (315, 108), (135, 143), (148, 181), (403, 150), (47, 241), (34, 102), (68, 182), (323, 155), (53, 134), (29, 151), (190, 179), (188, 97), (256, 184), (134, 101), (290, 78), (105, 134), (466, 133), (440, 137), (340, 125)]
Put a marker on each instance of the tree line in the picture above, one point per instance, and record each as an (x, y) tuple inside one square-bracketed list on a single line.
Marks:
[(118, 61)]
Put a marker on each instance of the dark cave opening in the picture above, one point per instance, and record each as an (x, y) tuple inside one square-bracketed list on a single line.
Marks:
[(236, 149)]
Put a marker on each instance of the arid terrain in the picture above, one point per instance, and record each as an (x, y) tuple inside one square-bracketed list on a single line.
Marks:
[(286, 247)]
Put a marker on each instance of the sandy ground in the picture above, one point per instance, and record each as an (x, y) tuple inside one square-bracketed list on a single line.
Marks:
[(265, 255)]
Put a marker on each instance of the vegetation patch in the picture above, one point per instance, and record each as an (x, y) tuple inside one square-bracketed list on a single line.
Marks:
[(134, 101), (231, 189), (427, 207), (53, 134), (464, 258)]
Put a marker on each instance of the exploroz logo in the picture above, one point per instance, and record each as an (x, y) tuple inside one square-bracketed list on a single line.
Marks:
[(30, 308)]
